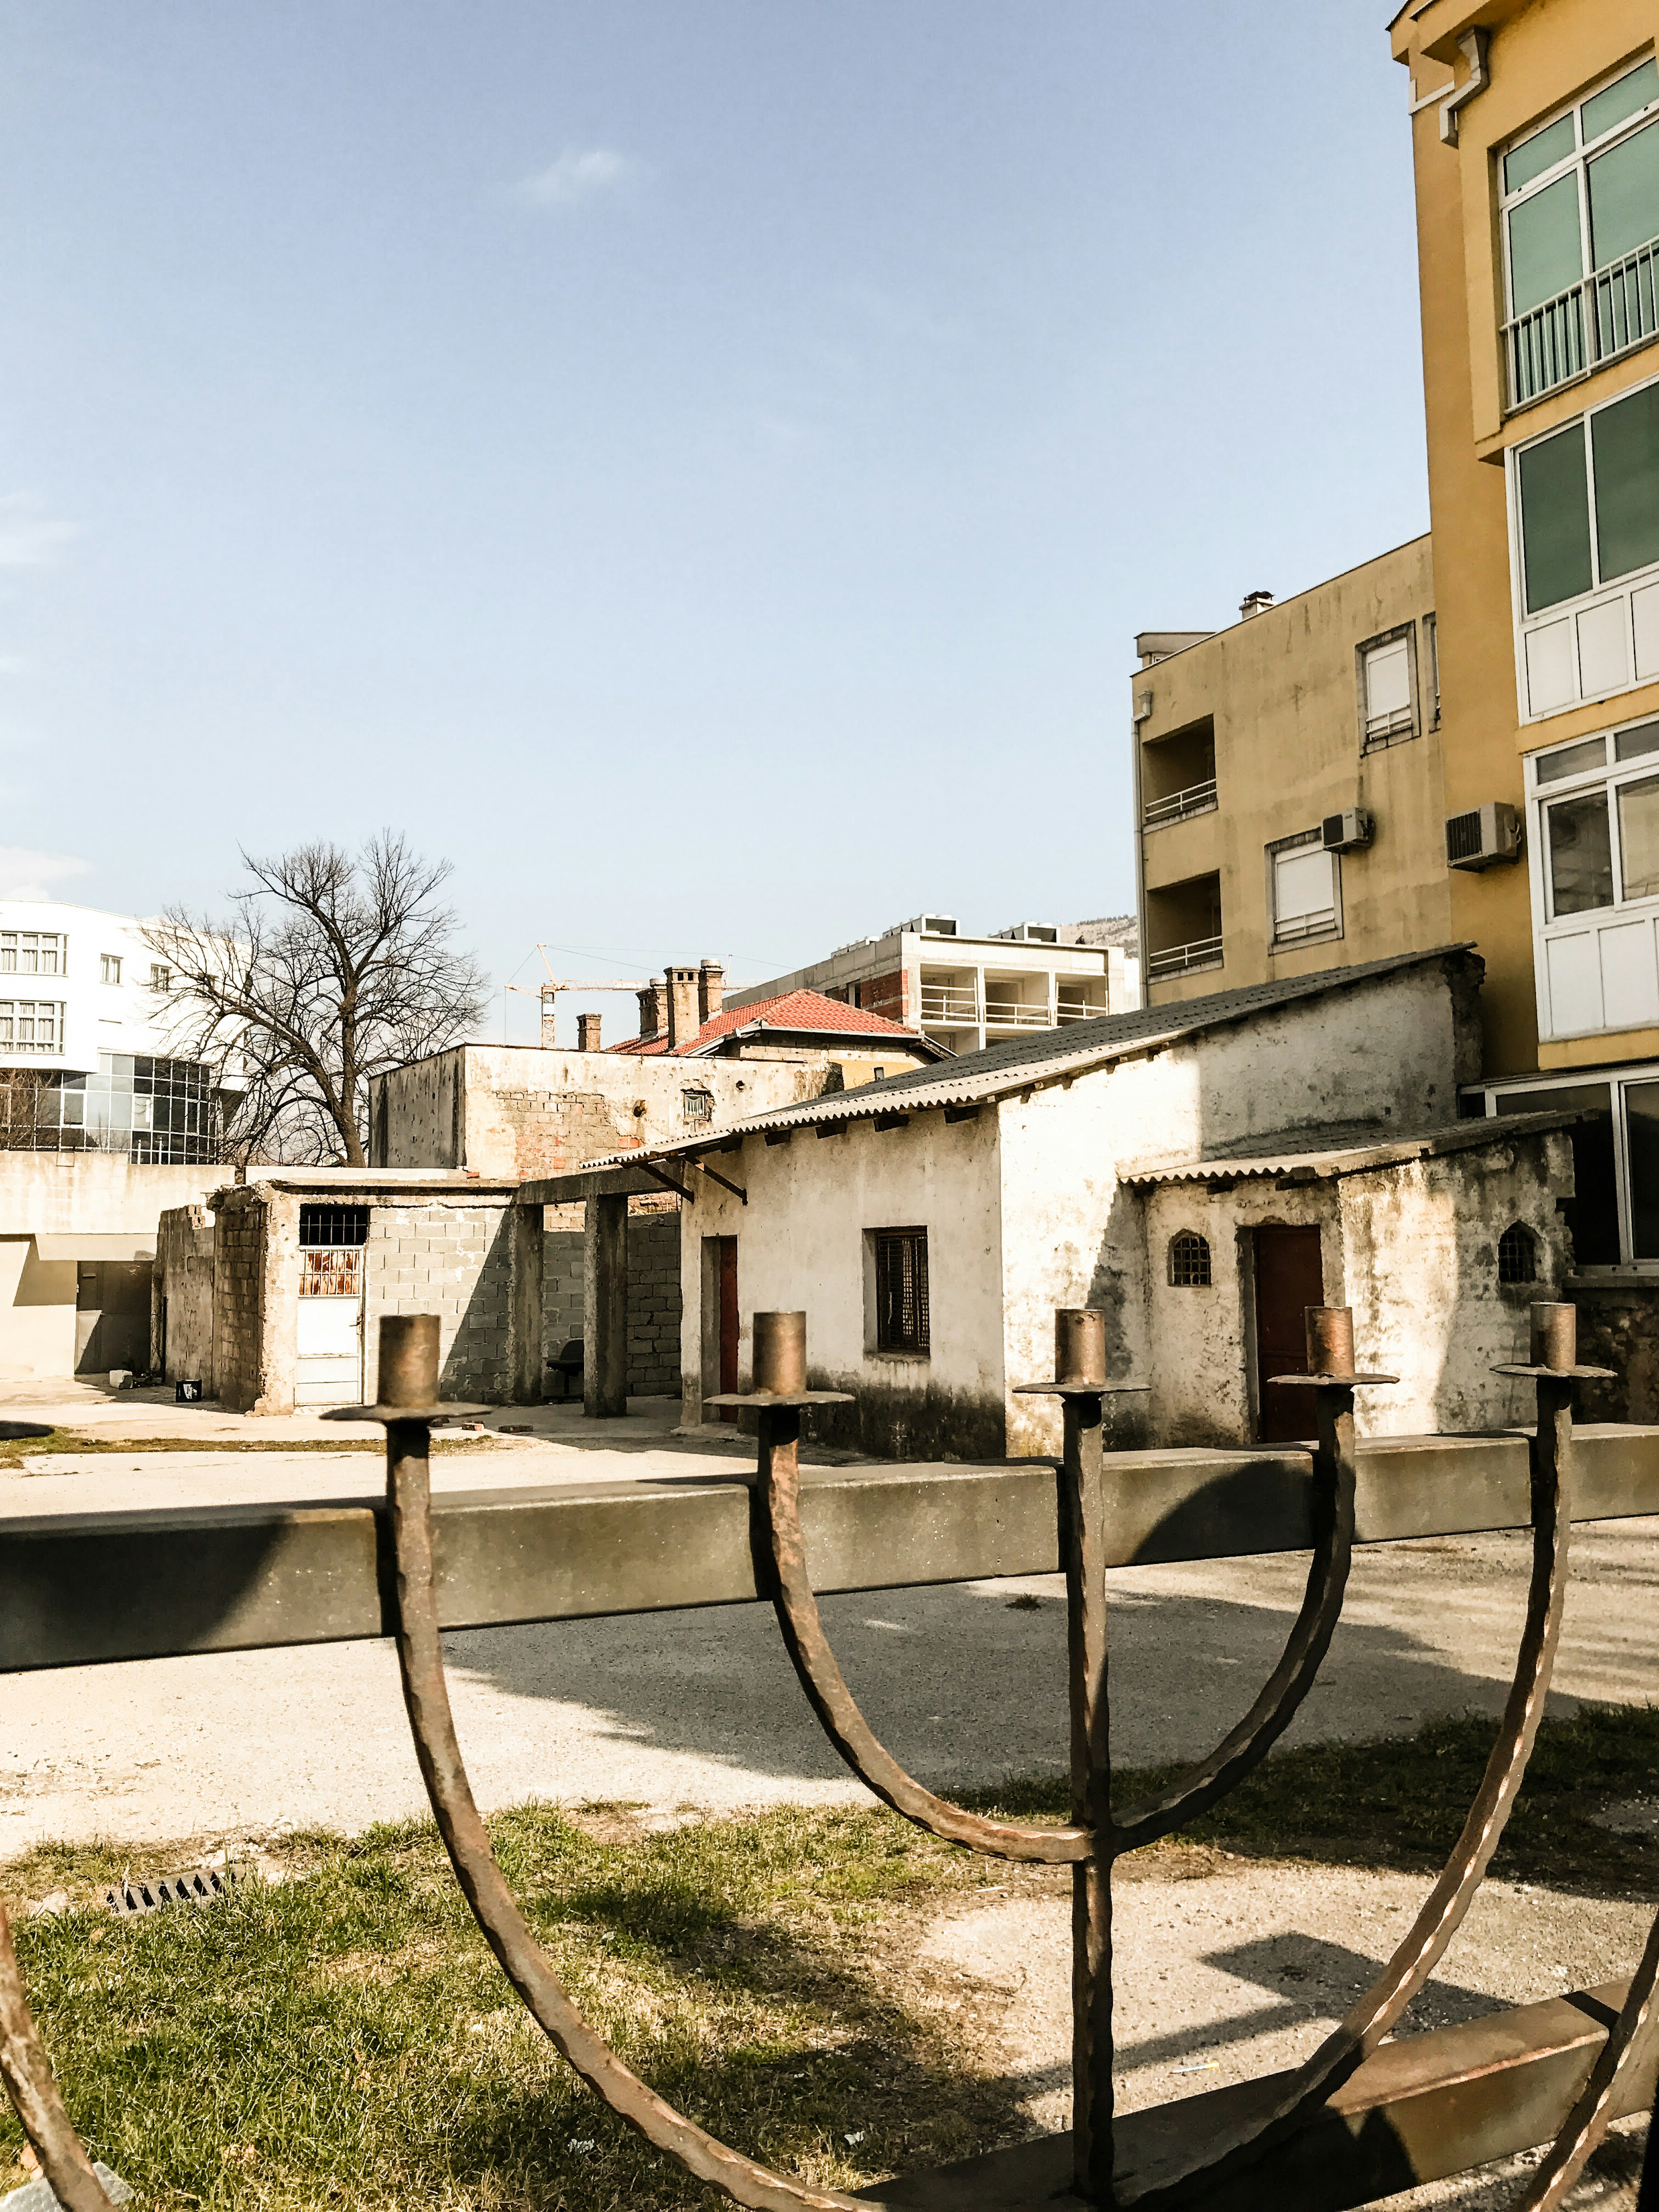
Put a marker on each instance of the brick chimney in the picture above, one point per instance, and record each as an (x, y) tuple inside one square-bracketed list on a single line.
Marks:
[(651, 1005), (711, 991), (587, 1032), (681, 984)]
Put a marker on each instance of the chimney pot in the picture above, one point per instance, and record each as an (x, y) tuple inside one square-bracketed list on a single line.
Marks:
[(711, 990), (1255, 603), (587, 1032)]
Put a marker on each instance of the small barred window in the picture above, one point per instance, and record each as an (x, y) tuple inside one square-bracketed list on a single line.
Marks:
[(697, 1105), (1189, 1261), (1517, 1255)]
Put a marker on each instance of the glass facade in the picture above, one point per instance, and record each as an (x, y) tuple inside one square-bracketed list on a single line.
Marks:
[(160, 1112)]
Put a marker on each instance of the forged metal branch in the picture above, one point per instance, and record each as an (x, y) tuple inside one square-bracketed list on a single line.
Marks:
[(1248, 1744), (526, 1965), (1415, 1959), (826, 1687), (33, 2090)]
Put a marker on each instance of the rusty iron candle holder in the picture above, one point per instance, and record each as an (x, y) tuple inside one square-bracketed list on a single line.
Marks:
[(1194, 2162)]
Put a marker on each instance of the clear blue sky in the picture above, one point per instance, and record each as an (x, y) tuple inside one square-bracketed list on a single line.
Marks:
[(700, 468)]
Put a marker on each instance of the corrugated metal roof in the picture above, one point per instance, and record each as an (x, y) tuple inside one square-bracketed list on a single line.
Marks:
[(1002, 1070), (1349, 1148)]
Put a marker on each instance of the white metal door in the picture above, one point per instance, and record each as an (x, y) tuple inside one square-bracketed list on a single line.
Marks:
[(329, 1349)]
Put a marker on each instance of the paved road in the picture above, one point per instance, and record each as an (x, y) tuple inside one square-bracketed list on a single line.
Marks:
[(702, 1708)]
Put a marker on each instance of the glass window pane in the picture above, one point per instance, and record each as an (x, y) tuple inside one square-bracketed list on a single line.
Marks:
[(1625, 438), (1540, 152), (1624, 197), (1642, 1132), (1616, 104), (1595, 1217), (1631, 744), (1546, 251), (1555, 538), (1571, 760), (1580, 853), (1639, 838)]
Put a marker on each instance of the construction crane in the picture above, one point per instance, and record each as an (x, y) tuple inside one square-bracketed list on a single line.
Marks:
[(548, 993)]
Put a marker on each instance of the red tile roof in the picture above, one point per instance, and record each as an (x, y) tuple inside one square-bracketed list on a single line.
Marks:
[(795, 1010)]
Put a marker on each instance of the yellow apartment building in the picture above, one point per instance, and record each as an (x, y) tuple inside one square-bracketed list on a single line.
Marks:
[(1460, 740)]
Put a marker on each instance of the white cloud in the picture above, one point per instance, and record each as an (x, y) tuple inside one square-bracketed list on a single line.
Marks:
[(29, 875), (29, 536), (581, 173)]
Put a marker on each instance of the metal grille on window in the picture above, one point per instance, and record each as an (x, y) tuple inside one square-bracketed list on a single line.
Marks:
[(331, 1240), (1517, 1255), (699, 1105), (902, 1317), (333, 1225), (1189, 1261)]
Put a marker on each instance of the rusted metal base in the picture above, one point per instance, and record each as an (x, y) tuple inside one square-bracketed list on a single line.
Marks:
[(1418, 2110)]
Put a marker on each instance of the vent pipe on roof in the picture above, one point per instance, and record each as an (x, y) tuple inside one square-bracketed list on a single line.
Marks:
[(1255, 603)]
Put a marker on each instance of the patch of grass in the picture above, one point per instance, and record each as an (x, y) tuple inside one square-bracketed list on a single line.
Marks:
[(1401, 1801), (346, 2039), (18, 1451)]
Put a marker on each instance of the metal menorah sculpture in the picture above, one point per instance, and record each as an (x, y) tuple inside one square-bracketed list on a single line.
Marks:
[(1097, 1833)]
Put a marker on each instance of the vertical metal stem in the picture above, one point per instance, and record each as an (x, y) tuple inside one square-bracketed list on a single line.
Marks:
[(1083, 1537)]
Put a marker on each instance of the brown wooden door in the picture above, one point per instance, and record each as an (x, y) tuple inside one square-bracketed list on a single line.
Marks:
[(728, 1277), (1289, 1278)]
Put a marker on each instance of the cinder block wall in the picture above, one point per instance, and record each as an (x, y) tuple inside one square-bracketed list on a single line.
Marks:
[(183, 1281), (238, 1272), (654, 1300), (453, 1261)]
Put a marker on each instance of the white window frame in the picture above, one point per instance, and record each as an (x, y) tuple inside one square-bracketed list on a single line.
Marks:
[(1639, 917), (1615, 1080), (109, 968), (1584, 151), (11, 1013), (1393, 730), (1319, 931), (1630, 606)]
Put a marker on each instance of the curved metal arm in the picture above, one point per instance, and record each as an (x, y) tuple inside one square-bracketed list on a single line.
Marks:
[(34, 2092), (1587, 2123), (1415, 1959), (834, 1703), (526, 1965), (1281, 1698)]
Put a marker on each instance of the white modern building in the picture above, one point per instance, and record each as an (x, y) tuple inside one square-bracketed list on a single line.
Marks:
[(965, 991), (90, 1054)]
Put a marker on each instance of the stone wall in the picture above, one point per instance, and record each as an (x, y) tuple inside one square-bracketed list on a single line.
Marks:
[(1617, 1327), (182, 1296), (238, 1278)]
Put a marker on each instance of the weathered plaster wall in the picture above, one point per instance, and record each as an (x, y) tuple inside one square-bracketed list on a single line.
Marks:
[(181, 1342), (516, 1112), (1412, 1249), (36, 1313), (801, 1242), (240, 1223)]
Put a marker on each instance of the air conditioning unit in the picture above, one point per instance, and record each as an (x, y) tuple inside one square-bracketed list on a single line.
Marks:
[(1485, 837), (1347, 832)]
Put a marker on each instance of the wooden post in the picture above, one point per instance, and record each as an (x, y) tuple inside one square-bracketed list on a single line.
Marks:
[(604, 1308), (524, 1357)]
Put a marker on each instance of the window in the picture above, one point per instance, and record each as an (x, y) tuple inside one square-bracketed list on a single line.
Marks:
[(1595, 840), (1189, 1260), (1517, 1255), (1614, 1213), (109, 967), (1303, 889), (902, 1322), (697, 1105), (1388, 689), (32, 952), (158, 1112), (333, 1225), (1586, 500), (160, 978), (1581, 232), (31, 1025)]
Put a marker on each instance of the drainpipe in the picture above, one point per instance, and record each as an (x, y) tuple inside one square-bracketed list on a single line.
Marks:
[(1477, 46)]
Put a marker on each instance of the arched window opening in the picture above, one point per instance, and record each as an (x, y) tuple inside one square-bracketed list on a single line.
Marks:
[(1517, 1255), (1189, 1261)]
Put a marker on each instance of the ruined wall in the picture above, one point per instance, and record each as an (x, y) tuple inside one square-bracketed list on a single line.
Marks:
[(182, 1296), (415, 1113), (239, 1221), (1617, 1327)]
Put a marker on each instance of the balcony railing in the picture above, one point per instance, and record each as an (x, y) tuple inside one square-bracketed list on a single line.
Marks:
[(943, 1004), (1016, 1014), (1185, 959), (1197, 798), (1065, 1013), (1593, 321)]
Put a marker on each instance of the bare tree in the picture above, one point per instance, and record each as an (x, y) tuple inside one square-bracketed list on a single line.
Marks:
[(331, 969)]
